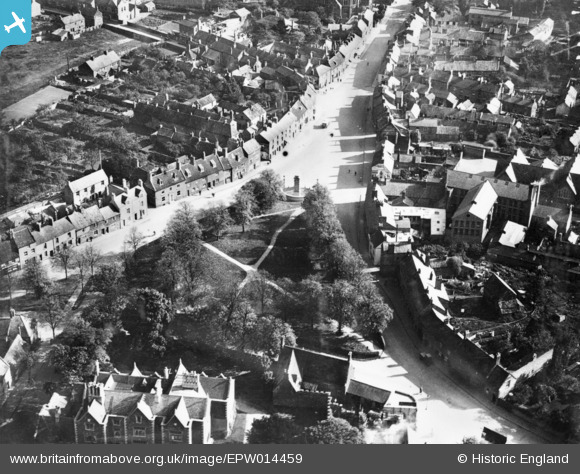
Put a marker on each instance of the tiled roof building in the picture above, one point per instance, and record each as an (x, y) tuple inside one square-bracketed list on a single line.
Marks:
[(179, 407)]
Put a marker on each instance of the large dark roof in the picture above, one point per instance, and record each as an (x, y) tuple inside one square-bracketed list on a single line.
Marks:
[(504, 189), (325, 370), (422, 194)]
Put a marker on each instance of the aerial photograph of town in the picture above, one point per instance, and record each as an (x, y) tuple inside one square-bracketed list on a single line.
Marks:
[(290, 222)]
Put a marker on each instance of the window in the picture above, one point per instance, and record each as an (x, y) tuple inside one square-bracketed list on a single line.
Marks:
[(117, 433), (179, 193), (57, 240), (176, 438), (138, 418), (116, 421), (139, 432), (89, 425), (163, 198), (78, 193), (90, 439), (96, 232)]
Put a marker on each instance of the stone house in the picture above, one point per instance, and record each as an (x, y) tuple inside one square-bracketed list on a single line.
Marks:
[(86, 189), (472, 220), (179, 407)]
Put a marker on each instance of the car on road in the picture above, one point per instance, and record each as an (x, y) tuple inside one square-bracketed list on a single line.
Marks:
[(324, 124)]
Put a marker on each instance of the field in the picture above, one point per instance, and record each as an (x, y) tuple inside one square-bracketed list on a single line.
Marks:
[(25, 69)]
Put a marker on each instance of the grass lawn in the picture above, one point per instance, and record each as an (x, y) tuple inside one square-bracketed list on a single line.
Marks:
[(247, 247), (289, 257), (25, 69), (148, 255)]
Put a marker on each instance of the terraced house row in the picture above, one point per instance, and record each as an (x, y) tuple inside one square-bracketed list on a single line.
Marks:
[(94, 206)]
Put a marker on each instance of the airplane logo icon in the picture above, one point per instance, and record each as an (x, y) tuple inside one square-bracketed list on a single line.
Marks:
[(17, 22)]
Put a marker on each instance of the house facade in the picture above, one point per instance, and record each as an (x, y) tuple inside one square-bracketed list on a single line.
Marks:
[(472, 220), (88, 188), (179, 407)]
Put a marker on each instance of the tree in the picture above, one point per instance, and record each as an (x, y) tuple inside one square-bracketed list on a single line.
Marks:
[(53, 313), (183, 232), (373, 314), (80, 345), (275, 429), (217, 220), (8, 277), (341, 296), (79, 261), (183, 263), (309, 293), (243, 208), (267, 189), (267, 335), (63, 259), (36, 279), (146, 318), (109, 279), (260, 289), (134, 238), (454, 264), (333, 431), (343, 261), (311, 19), (92, 257)]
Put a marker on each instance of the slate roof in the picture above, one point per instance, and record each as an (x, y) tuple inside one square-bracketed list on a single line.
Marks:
[(512, 234), (51, 232), (251, 146), (102, 61), (422, 194), (22, 237), (367, 392), (8, 252), (504, 189), (477, 202), (88, 181), (70, 19)]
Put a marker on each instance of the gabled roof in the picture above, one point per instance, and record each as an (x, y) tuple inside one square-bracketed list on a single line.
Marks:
[(8, 251), (22, 237), (367, 392), (251, 146), (51, 232), (512, 234), (89, 180), (504, 189), (102, 61), (477, 202), (206, 100)]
